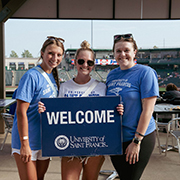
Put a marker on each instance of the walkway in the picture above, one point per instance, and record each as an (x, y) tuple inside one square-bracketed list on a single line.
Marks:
[(159, 167)]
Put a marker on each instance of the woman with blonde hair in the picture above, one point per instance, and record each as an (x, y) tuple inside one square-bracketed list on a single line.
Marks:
[(26, 139), (71, 167)]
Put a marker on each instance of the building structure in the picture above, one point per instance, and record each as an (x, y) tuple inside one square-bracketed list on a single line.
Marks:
[(20, 63)]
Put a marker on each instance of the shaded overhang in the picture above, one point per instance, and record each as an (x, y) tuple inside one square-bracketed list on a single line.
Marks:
[(91, 9), (82, 9)]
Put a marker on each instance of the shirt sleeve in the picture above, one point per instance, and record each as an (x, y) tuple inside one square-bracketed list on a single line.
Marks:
[(149, 84), (26, 88)]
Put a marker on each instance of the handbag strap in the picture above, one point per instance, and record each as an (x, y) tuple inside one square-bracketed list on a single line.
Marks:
[(91, 87), (47, 78)]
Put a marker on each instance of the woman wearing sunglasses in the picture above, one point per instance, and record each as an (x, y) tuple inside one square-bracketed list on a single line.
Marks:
[(71, 167), (84, 62), (138, 86), (26, 139)]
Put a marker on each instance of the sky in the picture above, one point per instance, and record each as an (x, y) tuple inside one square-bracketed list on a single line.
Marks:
[(25, 34)]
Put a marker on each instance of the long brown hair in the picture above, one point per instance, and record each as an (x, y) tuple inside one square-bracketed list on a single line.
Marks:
[(171, 87), (58, 42)]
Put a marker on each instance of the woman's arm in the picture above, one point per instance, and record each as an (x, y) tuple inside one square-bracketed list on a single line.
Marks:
[(147, 111), (22, 121), (132, 151)]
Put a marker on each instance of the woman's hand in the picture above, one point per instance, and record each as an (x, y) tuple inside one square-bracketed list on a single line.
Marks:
[(120, 109), (132, 153), (41, 107), (25, 151), (22, 121)]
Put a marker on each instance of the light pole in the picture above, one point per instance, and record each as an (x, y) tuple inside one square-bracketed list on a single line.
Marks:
[(91, 34)]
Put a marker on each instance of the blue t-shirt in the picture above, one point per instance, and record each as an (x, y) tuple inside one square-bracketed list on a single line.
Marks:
[(133, 85), (12, 107), (32, 87)]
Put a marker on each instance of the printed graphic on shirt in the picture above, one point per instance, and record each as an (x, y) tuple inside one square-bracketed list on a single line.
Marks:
[(79, 93), (115, 85), (48, 90), (120, 82), (115, 91)]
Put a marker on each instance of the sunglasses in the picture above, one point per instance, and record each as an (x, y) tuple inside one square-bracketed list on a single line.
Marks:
[(89, 62), (55, 38), (126, 36)]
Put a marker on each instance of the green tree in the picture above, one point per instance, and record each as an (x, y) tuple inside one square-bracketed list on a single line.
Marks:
[(26, 54), (155, 47), (13, 54)]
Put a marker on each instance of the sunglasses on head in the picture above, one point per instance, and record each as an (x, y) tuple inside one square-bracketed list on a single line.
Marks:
[(89, 62), (55, 38), (126, 36)]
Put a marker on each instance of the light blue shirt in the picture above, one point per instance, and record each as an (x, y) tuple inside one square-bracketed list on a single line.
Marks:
[(32, 87), (133, 85)]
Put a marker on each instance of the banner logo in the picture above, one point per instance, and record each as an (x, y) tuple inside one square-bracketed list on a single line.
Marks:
[(61, 142)]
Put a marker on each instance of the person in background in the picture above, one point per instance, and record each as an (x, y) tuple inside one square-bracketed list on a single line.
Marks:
[(71, 167), (26, 140), (138, 86), (171, 92)]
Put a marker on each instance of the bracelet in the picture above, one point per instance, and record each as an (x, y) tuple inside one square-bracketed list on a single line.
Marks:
[(139, 134), (24, 138)]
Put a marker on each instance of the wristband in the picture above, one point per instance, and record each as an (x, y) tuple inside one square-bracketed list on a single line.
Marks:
[(24, 138), (139, 134)]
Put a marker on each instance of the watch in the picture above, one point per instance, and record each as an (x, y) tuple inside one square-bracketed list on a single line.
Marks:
[(136, 140)]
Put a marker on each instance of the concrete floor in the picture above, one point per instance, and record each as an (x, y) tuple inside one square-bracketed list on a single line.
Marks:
[(160, 167)]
